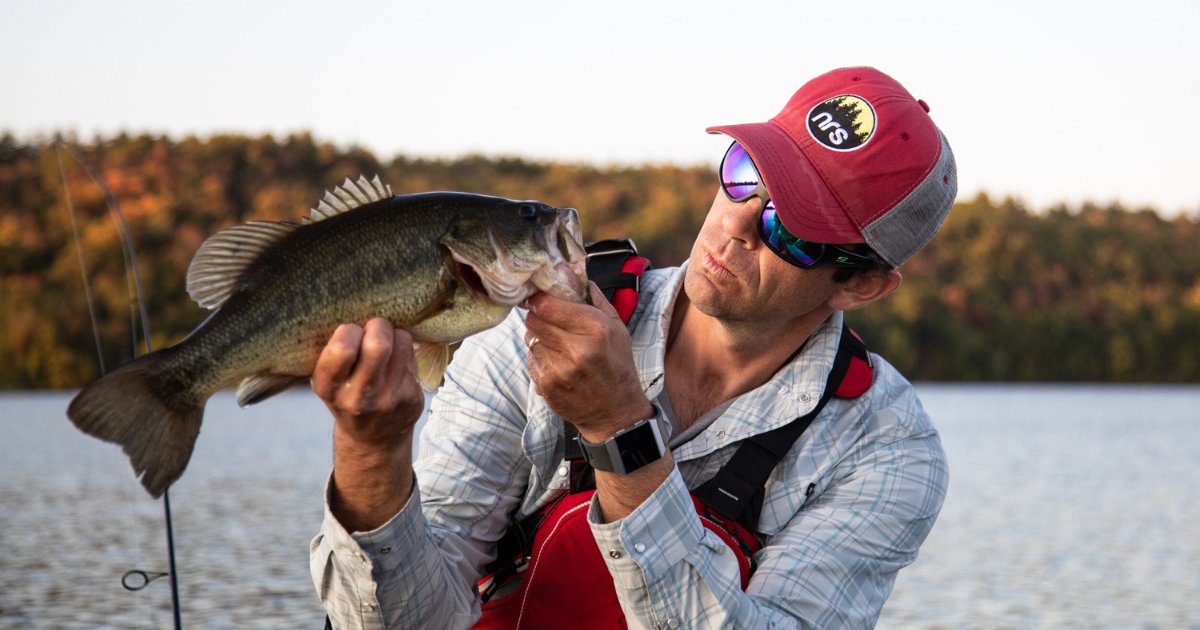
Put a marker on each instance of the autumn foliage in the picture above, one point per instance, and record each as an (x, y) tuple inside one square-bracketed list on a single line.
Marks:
[(1002, 293)]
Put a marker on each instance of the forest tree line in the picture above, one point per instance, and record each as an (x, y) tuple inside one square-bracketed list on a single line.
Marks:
[(1002, 293)]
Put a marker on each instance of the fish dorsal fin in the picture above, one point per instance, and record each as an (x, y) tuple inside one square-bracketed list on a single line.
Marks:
[(348, 196), (222, 259)]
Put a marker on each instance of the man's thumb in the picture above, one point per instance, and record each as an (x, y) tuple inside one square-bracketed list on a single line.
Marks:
[(602, 302)]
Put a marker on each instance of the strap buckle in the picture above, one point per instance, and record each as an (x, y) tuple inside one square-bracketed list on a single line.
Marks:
[(610, 246)]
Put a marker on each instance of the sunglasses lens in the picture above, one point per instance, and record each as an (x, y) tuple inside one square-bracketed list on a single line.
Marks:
[(738, 175), (788, 247)]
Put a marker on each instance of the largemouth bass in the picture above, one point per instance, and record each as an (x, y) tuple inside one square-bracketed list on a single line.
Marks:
[(439, 265)]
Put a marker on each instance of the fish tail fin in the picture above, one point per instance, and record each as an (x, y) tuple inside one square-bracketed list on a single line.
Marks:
[(153, 419), (432, 358)]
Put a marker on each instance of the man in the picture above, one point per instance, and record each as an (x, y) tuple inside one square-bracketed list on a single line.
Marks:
[(738, 341)]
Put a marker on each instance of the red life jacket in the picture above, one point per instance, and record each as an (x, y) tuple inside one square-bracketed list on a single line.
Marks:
[(549, 572), (562, 581)]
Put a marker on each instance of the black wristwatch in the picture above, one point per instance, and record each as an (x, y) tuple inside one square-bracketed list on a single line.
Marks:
[(629, 449)]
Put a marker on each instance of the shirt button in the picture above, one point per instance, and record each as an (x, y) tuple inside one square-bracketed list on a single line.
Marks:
[(562, 471), (804, 397), (672, 623), (616, 555), (721, 433), (371, 607), (639, 547)]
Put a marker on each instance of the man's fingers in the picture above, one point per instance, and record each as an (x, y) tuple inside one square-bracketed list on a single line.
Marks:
[(536, 370), (557, 324), (569, 316), (547, 333), (375, 354), (602, 302), (337, 360), (402, 358), (559, 327)]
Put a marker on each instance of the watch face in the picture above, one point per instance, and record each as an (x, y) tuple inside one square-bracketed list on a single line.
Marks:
[(628, 450), (641, 446), (637, 458)]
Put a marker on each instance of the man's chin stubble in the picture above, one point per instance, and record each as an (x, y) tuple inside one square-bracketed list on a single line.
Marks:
[(712, 302)]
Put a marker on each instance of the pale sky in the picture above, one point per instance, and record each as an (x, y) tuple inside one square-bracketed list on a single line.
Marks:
[(1046, 101)]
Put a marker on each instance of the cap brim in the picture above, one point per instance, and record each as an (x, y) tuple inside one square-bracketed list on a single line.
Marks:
[(805, 204)]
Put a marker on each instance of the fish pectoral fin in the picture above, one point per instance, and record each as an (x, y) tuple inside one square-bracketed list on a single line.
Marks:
[(257, 388), (439, 304), (432, 358)]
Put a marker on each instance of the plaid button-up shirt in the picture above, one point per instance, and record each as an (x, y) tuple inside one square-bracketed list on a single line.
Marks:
[(845, 509)]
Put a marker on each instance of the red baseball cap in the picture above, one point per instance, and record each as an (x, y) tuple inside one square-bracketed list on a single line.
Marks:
[(854, 158)]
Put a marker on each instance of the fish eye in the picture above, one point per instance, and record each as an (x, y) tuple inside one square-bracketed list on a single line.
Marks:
[(528, 211)]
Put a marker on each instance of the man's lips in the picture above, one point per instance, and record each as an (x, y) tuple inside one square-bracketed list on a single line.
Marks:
[(716, 268)]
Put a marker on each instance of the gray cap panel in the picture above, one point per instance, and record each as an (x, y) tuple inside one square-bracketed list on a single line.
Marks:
[(907, 227)]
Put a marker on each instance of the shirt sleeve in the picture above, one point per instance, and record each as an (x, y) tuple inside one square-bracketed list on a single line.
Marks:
[(832, 566), (420, 569)]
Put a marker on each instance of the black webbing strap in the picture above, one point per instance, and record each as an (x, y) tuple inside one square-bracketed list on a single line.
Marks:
[(609, 282), (574, 451), (604, 261), (517, 539), (735, 484)]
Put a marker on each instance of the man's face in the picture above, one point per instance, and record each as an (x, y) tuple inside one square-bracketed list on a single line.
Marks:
[(733, 276)]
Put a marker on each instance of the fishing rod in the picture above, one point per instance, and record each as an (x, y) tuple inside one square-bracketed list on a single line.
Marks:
[(135, 287)]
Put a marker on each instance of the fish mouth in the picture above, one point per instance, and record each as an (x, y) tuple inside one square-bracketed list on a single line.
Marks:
[(565, 277), (470, 278), (556, 263)]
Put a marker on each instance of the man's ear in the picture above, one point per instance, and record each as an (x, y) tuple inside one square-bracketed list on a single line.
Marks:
[(864, 288)]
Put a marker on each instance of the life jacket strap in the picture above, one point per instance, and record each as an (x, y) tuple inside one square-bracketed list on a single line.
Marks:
[(732, 491), (614, 265)]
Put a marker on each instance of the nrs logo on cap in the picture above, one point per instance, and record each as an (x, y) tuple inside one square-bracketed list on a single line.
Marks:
[(842, 123)]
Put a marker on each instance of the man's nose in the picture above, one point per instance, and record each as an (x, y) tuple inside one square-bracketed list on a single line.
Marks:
[(740, 221)]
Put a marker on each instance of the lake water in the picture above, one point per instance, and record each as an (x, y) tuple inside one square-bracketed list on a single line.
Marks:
[(1069, 507)]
